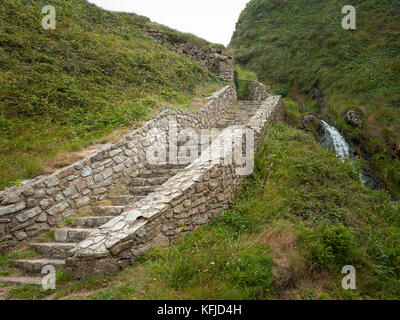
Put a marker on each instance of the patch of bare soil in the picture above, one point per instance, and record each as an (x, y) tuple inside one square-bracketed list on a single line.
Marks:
[(292, 277), (64, 159), (4, 290), (83, 295)]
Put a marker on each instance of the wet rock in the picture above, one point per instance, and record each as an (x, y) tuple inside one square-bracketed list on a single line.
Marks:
[(353, 119)]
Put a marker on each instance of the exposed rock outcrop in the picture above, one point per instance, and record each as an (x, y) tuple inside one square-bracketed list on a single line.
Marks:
[(353, 119), (212, 58)]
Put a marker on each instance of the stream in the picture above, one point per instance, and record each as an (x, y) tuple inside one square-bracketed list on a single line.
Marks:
[(331, 137)]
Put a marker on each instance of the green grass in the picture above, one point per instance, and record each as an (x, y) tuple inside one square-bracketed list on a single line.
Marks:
[(296, 46), (6, 267), (300, 217), (28, 292), (61, 90), (242, 77)]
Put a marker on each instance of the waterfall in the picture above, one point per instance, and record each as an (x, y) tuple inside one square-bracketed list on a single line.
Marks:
[(331, 137)]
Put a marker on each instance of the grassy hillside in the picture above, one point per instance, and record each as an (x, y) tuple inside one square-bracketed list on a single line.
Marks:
[(63, 89), (299, 219), (298, 46)]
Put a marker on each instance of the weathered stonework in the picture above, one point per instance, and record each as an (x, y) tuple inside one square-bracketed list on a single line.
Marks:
[(212, 58), (42, 202), (185, 202), (163, 199), (257, 91)]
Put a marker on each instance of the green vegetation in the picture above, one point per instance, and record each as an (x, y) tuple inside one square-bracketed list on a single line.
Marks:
[(242, 78), (6, 267), (174, 36), (63, 89), (297, 46), (28, 292), (301, 216), (61, 224)]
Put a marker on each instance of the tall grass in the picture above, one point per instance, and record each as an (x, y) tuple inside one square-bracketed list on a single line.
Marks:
[(297, 46), (63, 89)]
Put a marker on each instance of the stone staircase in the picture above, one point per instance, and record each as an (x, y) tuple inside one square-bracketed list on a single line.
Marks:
[(78, 228), (81, 226), (239, 114)]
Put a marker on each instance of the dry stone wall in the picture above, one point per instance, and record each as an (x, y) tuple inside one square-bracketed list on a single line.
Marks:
[(185, 202), (212, 58), (37, 205), (257, 91)]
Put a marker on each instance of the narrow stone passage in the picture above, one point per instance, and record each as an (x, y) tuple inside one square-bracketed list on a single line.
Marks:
[(76, 229), (239, 114)]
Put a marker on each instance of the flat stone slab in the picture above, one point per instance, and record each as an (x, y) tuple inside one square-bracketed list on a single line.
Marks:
[(108, 210), (151, 181), (36, 266), (153, 173), (142, 190), (122, 200), (22, 280), (92, 222), (71, 235), (54, 249)]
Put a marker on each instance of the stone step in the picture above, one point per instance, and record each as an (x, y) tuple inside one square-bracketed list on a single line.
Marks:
[(108, 210), (159, 173), (143, 190), (154, 181), (255, 102), (71, 235), (165, 166), (91, 222), (247, 106), (54, 249), (36, 266), (15, 281), (123, 200)]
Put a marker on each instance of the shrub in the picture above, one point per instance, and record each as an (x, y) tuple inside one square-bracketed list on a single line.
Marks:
[(329, 246), (252, 270)]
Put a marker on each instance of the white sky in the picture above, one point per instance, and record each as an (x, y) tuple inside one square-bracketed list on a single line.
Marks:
[(213, 20)]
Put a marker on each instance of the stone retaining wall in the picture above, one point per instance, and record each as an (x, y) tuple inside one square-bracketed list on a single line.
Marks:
[(39, 204), (257, 91), (212, 58), (185, 202)]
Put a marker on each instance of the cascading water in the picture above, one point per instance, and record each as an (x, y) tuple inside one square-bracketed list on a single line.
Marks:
[(331, 137)]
